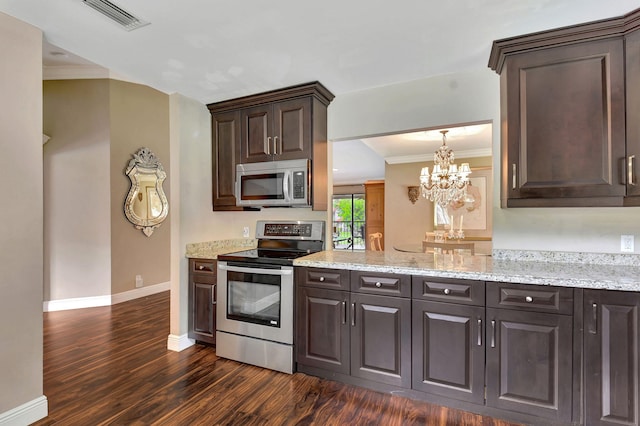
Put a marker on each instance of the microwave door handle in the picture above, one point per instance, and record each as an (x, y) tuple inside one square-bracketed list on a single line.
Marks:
[(286, 185)]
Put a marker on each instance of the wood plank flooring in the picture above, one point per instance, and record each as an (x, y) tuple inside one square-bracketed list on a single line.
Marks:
[(110, 366)]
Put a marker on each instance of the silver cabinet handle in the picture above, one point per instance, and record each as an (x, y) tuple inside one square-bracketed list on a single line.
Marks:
[(268, 145), (213, 294), (593, 327), (275, 146), (344, 312), (493, 333), (353, 315), (378, 284), (201, 267), (447, 291), (479, 332), (630, 174), (321, 279), (528, 299), (514, 182)]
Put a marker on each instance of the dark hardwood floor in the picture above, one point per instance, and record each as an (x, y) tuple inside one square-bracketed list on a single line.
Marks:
[(111, 366)]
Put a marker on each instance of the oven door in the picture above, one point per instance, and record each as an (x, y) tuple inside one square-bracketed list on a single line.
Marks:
[(255, 301)]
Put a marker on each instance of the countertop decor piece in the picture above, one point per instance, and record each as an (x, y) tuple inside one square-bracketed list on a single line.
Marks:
[(211, 249), (486, 268)]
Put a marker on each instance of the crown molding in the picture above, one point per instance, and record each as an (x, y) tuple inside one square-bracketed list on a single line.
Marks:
[(472, 153)]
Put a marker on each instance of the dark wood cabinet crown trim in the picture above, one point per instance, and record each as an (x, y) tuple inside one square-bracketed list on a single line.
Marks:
[(315, 89), (590, 31)]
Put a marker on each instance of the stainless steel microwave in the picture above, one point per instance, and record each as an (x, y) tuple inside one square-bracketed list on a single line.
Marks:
[(285, 183)]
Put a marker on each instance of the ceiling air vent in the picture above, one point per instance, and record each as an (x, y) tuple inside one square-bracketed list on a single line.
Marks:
[(116, 13)]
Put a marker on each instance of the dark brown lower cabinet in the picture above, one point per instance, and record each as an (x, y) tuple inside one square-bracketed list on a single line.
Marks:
[(381, 339), (501, 349), (202, 300), (529, 363), (612, 357), (322, 331), (448, 350), (359, 335)]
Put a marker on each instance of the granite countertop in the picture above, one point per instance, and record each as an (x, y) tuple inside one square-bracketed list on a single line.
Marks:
[(612, 272), (211, 249)]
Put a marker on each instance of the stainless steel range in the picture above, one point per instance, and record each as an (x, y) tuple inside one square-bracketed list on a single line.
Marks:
[(256, 294)]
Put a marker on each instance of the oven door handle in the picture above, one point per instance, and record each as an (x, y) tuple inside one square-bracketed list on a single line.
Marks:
[(250, 270)]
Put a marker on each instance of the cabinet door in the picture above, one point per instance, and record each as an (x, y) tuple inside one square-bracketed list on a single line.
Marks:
[(257, 134), (225, 154), (632, 162), (322, 330), (381, 339), (529, 363), (448, 350), (612, 360), (292, 129), (202, 308), (565, 132)]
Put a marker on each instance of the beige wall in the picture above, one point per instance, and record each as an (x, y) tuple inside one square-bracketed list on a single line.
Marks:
[(406, 223), (91, 249), (77, 228), (139, 118), (21, 216)]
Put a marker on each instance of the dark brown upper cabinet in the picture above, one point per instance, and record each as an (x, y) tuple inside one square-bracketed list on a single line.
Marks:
[(278, 131), (570, 99), (283, 124)]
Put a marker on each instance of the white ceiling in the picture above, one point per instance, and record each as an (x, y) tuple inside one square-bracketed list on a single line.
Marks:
[(211, 50)]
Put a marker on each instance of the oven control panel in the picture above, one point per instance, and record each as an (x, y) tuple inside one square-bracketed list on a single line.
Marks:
[(287, 230), (303, 230)]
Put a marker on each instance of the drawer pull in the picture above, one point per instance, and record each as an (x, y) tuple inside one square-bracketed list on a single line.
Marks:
[(378, 284), (528, 299), (321, 279), (447, 291), (201, 267)]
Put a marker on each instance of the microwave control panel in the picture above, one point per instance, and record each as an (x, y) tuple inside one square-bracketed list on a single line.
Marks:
[(298, 185)]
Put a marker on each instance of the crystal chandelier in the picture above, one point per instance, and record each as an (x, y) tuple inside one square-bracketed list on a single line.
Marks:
[(446, 183)]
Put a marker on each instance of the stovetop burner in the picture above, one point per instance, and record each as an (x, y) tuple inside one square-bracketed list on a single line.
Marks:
[(279, 243)]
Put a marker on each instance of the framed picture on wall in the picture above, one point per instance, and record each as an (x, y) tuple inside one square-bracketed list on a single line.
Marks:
[(474, 212)]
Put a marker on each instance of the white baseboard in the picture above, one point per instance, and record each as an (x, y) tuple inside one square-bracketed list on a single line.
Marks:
[(27, 413), (107, 300), (77, 303), (179, 343), (139, 292)]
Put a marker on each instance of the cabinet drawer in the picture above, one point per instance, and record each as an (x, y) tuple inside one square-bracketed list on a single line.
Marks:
[(381, 283), (530, 297), (466, 292), (203, 266), (323, 278)]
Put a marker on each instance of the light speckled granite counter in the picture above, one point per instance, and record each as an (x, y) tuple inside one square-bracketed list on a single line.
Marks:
[(613, 272), (211, 249)]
